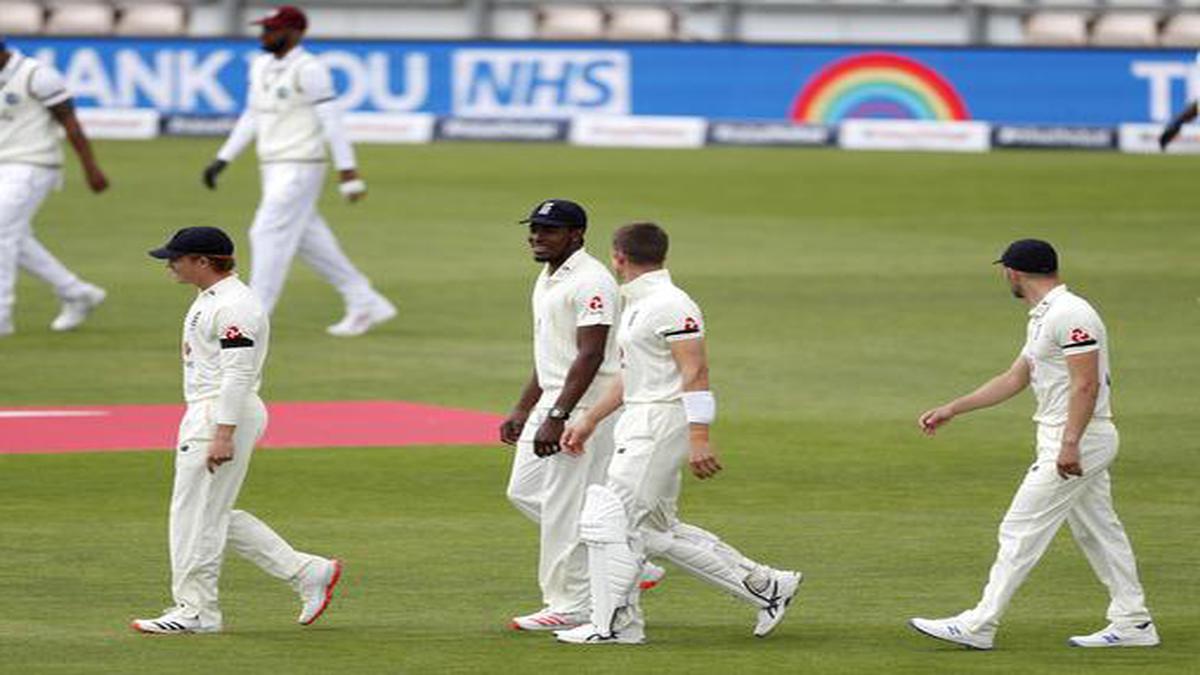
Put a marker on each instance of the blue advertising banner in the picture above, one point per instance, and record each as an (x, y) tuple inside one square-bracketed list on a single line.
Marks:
[(809, 84)]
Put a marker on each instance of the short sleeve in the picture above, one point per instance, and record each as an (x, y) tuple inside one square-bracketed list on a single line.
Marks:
[(238, 327), (47, 86), (680, 320), (1078, 331), (596, 302), (316, 82)]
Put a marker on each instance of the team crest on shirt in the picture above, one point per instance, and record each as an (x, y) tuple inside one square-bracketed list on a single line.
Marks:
[(596, 303), (1080, 335), (691, 325)]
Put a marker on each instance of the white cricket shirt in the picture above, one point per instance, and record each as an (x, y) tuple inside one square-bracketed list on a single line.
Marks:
[(28, 132), (1061, 325), (283, 93), (225, 337), (581, 292), (656, 313)]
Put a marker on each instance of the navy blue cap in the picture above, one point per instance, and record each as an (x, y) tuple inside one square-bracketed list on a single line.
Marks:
[(1030, 255), (557, 213), (195, 241)]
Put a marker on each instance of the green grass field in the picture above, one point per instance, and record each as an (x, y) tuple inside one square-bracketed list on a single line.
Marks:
[(845, 292)]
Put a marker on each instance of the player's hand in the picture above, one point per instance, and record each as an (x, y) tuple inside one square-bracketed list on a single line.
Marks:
[(510, 428), (96, 180), (219, 452), (212, 171), (702, 460), (930, 420), (1068, 461), (576, 435), (351, 185), (546, 441)]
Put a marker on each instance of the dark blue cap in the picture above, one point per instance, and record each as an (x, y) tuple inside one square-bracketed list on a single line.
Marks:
[(557, 213), (195, 241), (1030, 255)]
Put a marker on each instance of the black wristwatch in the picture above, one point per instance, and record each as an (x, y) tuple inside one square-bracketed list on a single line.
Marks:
[(557, 413)]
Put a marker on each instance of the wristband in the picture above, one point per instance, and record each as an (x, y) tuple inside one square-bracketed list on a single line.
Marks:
[(700, 407), (352, 187)]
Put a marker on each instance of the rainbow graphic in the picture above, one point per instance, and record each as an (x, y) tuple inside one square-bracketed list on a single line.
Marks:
[(877, 85)]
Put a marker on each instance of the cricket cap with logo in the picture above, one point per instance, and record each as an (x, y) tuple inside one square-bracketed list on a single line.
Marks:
[(209, 241), (284, 16), (557, 213), (1030, 255)]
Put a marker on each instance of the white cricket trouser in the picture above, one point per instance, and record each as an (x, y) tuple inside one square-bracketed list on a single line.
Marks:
[(203, 518), (23, 188), (550, 491), (1039, 508), (652, 446), (287, 223)]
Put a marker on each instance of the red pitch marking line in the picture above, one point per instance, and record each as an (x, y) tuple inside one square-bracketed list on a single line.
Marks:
[(60, 429)]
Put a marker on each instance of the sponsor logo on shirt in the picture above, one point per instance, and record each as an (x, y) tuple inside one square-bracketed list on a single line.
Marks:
[(233, 338)]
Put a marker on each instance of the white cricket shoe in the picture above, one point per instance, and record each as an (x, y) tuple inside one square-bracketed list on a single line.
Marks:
[(1113, 635), (953, 630), (651, 576), (75, 310), (634, 634), (547, 620), (780, 594), (357, 322), (315, 584), (174, 621)]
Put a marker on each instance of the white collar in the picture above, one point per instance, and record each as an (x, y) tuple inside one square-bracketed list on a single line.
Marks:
[(567, 267), (222, 285), (646, 284), (1048, 299), (291, 56)]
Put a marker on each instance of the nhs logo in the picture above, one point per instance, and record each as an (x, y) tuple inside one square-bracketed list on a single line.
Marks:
[(540, 82)]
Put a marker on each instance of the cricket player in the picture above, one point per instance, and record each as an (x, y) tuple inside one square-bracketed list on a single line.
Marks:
[(34, 103), (574, 307), (225, 338), (668, 409), (1065, 359), (292, 111)]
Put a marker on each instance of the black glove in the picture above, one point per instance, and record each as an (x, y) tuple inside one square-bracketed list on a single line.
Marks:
[(212, 171), (1169, 135)]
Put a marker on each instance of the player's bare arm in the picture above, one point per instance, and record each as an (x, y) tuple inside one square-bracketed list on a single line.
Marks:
[(1084, 371), (510, 428), (692, 359), (578, 432), (589, 343), (64, 114), (1176, 125), (996, 390)]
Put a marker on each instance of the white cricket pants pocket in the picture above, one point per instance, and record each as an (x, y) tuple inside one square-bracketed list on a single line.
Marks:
[(550, 491), (1042, 502), (23, 188), (201, 503), (287, 222)]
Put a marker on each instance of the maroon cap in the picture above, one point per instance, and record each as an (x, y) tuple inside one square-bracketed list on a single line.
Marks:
[(284, 16)]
